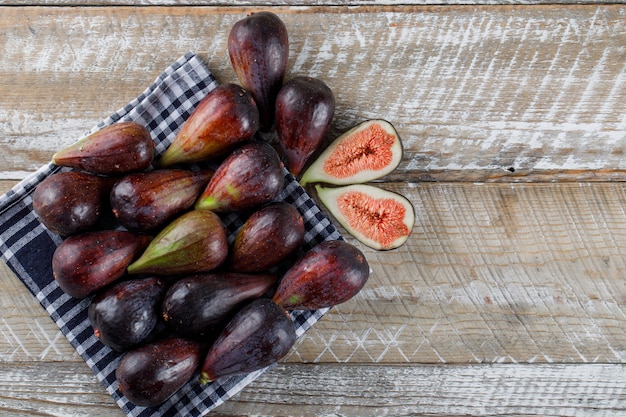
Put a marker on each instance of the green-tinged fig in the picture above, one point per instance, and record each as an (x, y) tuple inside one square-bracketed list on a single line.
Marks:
[(120, 148), (364, 153), (329, 274), (150, 374), (71, 202), (192, 243), (85, 263), (250, 176), (126, 313), (260, 334), (148, 200), (227, 116), (304, 109), (199, 306), (258, 47), (378, 218), (269, 236)]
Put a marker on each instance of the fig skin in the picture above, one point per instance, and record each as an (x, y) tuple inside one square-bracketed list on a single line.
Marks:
[(227, 116), (83, 264), (148, 200), (126, 313), (304, 109), (329, 274), (260, 334), (151, 373), (258, 47), (199, 306), (192, 243), (117, 149), (72, 202), (250, 176), (268, 237)]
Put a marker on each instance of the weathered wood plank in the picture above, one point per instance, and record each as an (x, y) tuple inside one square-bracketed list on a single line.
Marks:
[(475, 92)]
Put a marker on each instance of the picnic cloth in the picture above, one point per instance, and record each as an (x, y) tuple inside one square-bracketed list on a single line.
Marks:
[(27, 246)]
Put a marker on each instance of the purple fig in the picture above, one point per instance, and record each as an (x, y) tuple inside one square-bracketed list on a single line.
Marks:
[(148, 200), (192, 243), (329, 274), (227, 116), (120, 148), (258, 47), (85, 263), (304, 109), (251, 176), (269, 236)]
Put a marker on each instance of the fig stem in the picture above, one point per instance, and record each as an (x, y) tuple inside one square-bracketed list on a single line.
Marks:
[(204, 378)]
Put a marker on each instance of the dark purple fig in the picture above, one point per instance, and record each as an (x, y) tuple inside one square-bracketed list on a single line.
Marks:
[(260, 334), (269, 236), (251, 176), (199, 306), (148, 200), (194, 242), (126, 313), (150, 374), (258, 47), (227, 116), (85, 263), (72, 202), (329, 274), (304, 109), (120, 148)]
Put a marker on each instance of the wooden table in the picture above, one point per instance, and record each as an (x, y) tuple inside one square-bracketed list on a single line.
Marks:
[(510, 296)]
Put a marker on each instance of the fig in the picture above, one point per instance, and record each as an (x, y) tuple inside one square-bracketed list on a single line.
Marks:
[(126, 313), (269, 236), (260, 334), (367, 152), (250, 176), (150, 374), (85, 263), (378, 218), (304, 109), (192, 243), (227, 116), (71, 202), (199, 306), (148, 200), (258, 47), (328, 274), (119, 148)]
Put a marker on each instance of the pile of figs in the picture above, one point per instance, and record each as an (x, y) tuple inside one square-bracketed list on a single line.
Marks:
[(144, 238)]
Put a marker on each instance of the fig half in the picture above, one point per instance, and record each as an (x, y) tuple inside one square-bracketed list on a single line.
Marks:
[(367, 152), (378, 218)]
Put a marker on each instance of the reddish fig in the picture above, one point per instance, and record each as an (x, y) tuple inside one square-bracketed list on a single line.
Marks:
[(269, 236), (304, 109), (148, 200), (85, 263), (199, 306), (258, 47), (260, 334), (251, 176), (192, 243), (378, 218), (150, 374), (329, 274), (120, 148), (364, 153), (226, 116)]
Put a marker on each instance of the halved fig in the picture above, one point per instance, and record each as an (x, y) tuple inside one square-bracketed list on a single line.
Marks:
[(368, 151), (378, 218)]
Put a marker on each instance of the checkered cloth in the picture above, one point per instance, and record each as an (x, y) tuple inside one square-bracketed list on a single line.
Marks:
[(27, 246)]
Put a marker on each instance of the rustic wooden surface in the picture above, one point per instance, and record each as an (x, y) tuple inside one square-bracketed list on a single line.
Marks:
[(508, 299)]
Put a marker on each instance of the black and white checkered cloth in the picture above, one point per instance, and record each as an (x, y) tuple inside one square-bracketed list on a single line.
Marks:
[(27, 246)]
